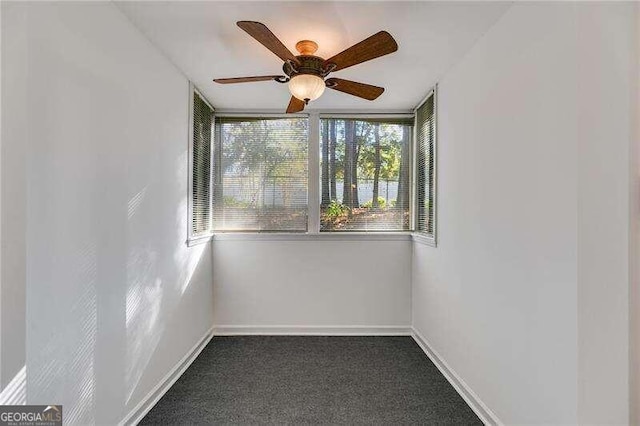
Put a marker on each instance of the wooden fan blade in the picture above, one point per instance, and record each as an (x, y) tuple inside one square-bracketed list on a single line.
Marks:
[(261, 33), (377, 45), (247, 79), (295, 105), (354, 88)]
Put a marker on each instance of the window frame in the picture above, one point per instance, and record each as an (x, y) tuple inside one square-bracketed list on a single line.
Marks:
[(418, 235), (195, 239), (314, 169)]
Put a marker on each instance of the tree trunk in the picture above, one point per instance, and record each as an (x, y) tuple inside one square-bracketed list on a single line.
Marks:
[(402, 202), (325, 164), (355, 146), (349, 159), (332, 160), (376, 164)]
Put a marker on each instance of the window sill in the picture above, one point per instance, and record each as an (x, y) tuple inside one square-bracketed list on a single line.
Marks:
[(324, 236), (191, 242), (427, 240)]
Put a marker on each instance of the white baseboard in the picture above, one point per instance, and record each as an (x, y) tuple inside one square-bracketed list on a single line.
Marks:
[(487, 416), (147, 403), (311, 330)]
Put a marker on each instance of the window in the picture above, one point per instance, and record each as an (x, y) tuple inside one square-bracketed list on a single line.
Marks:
[(365, 174), (425, 162), (250, 173), (200, 173), (260, 174)]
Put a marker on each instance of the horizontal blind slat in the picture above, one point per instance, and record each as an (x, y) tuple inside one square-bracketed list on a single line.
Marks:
[(425, 166), (260, 174), (201, 166)]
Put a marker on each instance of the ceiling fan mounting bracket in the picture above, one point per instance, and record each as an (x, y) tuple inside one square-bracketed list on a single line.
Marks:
[(306, 47), (329, 67), (290, 68), (281, 79)]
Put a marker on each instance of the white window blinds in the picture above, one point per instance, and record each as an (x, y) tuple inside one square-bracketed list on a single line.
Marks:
[(425, 158), (365, 174), (201, 167), (260, 174)]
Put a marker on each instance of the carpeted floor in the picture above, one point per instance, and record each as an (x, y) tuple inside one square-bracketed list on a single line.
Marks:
[(311, 379)]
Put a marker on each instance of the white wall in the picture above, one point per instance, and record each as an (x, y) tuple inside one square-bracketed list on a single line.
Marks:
[(634, 251), (114, 297), (526, 295), (606, 133), (312, 282), (13, 201)]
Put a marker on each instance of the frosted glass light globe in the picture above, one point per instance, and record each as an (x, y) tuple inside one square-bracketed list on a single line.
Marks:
[(306, 86)]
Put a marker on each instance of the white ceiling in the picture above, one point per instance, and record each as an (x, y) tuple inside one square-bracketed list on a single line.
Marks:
[(202, 39)]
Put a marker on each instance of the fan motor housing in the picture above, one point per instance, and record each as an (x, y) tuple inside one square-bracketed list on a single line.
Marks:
[(309, 64)]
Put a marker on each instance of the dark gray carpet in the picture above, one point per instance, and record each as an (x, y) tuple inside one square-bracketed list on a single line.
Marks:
[(302, 380)]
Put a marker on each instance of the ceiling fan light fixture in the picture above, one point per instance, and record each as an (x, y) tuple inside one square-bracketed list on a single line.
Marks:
[(306, 72), (306, 87)]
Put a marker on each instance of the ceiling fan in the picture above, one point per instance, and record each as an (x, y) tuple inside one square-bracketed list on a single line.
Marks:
[(306, 73)]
